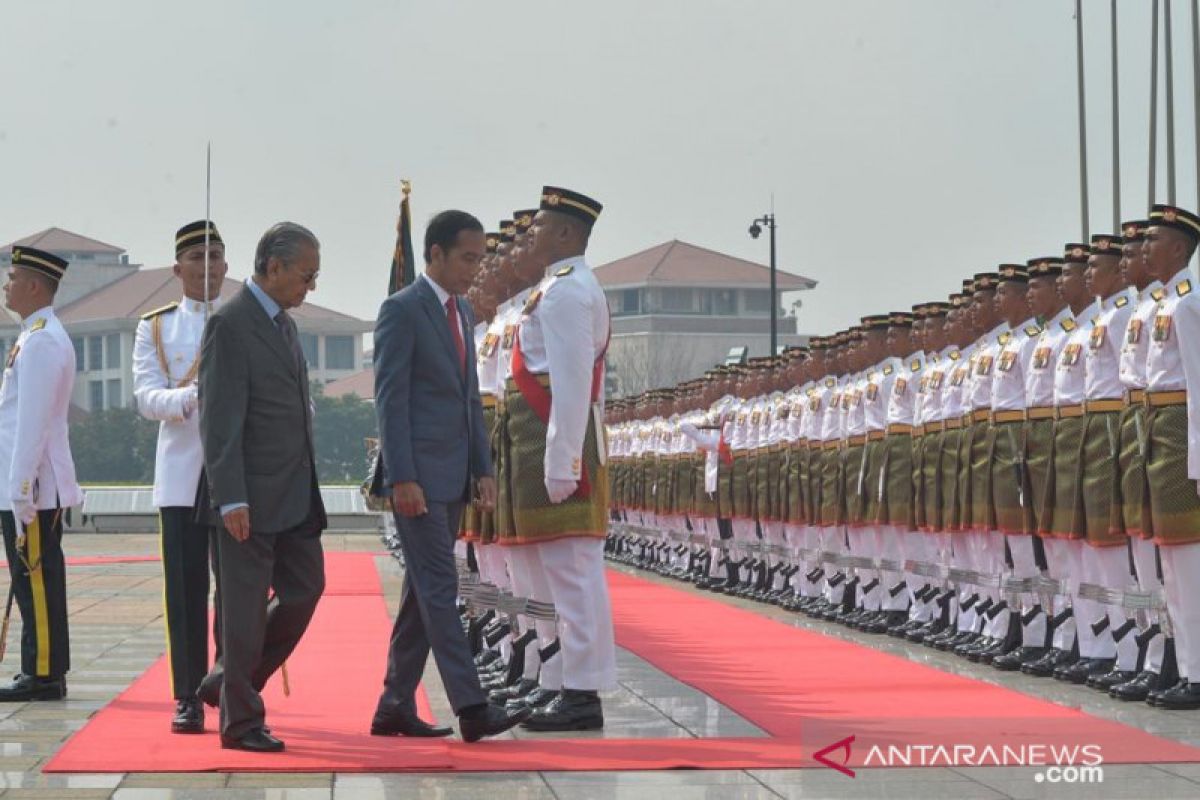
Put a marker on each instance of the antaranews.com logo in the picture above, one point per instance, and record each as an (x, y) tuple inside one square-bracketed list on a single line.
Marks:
[(1080, 763)]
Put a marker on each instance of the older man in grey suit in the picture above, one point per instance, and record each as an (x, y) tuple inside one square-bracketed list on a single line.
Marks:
[(435, 450), (260, 479)]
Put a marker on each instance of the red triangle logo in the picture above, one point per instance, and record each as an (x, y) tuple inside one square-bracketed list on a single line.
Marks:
[(844, 746)]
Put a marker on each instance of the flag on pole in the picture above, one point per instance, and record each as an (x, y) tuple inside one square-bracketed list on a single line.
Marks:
[(403, 270)]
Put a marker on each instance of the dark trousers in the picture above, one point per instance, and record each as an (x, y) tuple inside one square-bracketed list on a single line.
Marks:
[(257, 635), (184, 545), (428, 618), (39, 586)]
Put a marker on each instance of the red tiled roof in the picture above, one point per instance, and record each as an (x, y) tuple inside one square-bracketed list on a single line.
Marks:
[(57, 240), (360, 383), (677, 263), (148, 289)]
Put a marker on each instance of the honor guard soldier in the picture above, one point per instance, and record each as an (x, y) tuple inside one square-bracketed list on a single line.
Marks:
[(39, 478), (1157, 662), (166, 360), (558, 472), (1173, 438)]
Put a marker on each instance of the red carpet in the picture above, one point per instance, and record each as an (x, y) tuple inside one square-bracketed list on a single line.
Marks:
[(807, 691)]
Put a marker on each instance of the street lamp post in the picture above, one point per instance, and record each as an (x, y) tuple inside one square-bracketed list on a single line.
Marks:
[(756, 227)]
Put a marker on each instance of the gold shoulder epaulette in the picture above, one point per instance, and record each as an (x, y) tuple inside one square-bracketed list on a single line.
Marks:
[(37, 325), (168, 307), (1121, 301), (1032, 330), (532, 302), (565, 271), (1159, 293), (914, 365), (1068, 325), (955, 355), (887, 370), (1005, 338), (1183, 288), (829, 383)]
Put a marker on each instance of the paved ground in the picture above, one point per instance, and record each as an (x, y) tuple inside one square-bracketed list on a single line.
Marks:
[(116, 617)]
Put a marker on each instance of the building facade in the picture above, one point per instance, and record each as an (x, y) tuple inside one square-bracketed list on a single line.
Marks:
[(678, 309), (103, 297)]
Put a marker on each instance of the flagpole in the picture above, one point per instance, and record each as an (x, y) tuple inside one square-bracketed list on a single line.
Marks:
[(207, 221), (1169, 66), (1116, 123), (1083, 176), (1153, 103), (1196, 83)]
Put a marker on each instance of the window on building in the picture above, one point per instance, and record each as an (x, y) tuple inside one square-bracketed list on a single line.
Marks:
[(95, 395), (77, 343), (718, 302), (112, 351), (758, 300), (95, 358), (631, 301), (115, 400), (308, 343), (680, 301), (339, 352)]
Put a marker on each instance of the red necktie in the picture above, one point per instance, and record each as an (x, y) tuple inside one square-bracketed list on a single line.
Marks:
[(456, 332)]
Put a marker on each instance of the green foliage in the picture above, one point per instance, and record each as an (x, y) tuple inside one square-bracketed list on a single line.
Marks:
[(117, 446), (114, 446), (339, 428)]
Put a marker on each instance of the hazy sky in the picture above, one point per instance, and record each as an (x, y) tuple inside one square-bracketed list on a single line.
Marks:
[(907, 143)]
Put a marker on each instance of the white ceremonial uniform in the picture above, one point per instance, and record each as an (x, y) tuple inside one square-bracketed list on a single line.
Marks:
[(34, 401), (1135, 346), (1173, 364), (166, 355), (565, 335)]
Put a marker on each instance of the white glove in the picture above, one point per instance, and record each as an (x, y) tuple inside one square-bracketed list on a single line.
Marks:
[(560, 490), (189, 401), (24, 511)]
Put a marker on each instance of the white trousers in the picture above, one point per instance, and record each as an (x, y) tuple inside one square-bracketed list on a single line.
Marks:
[(574, 570), (1025, 565), (1147, 577), (528, 574), (1181, 565)]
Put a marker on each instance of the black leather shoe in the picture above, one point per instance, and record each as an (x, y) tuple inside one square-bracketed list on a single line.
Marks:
[(1183, 697), (1086, 668), (1044, 667), (513, 691), (189, 716), (538, 698), (574, 710), (1010, 662), (1136, 689), (1106, 680), (406, 725), (26, 687), (489, 720), (1155, 696), (255, 740)]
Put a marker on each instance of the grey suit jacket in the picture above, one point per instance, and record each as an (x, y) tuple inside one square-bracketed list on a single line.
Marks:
[(255, 420), (430, 416)]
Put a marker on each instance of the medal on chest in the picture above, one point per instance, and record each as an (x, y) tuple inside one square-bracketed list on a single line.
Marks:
[(1096, 340), (984, 366), (1162, 327), (1041, 358), (1070, 356), (1133, 334), (1007, 360)]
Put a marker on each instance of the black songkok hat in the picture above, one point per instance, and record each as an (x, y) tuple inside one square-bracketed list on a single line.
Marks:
[(1014, 273), (938, 309), (493, 241), (574, 204), (523, 220), (900, 319), (986, 281), (508, 231), (47, 264), (1175, 217), (1075, 253), (1134, 230), (193, 234), (1046, 266), (1106, 244)]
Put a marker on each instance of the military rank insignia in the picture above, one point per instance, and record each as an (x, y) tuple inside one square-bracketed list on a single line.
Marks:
[(1068, 325), (1133, 334), (1007, 359), (1070, 356), (1183, 288), (888, 370), (532, 302), (1162, 328), (1096, 339), (1041, 358)]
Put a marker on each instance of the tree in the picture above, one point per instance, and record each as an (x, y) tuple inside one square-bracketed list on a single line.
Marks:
[(649, 362), (115, 446), (340, 426)]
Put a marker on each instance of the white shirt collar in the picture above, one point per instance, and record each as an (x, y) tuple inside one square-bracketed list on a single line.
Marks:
[(442, 294)]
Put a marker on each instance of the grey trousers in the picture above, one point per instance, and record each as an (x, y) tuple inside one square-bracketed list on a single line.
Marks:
[(257, 636), (428, 619)]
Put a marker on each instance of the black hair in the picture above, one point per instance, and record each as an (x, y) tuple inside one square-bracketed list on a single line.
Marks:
[(444, 228)]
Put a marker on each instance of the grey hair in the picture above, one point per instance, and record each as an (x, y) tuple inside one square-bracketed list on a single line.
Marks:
[(282, 240)]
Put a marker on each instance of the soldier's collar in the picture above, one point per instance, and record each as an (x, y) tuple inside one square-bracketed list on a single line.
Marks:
[(197, 306), (44, 313)]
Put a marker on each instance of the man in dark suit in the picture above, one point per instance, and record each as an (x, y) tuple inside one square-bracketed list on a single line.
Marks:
[(434, 450), (256, 430)]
